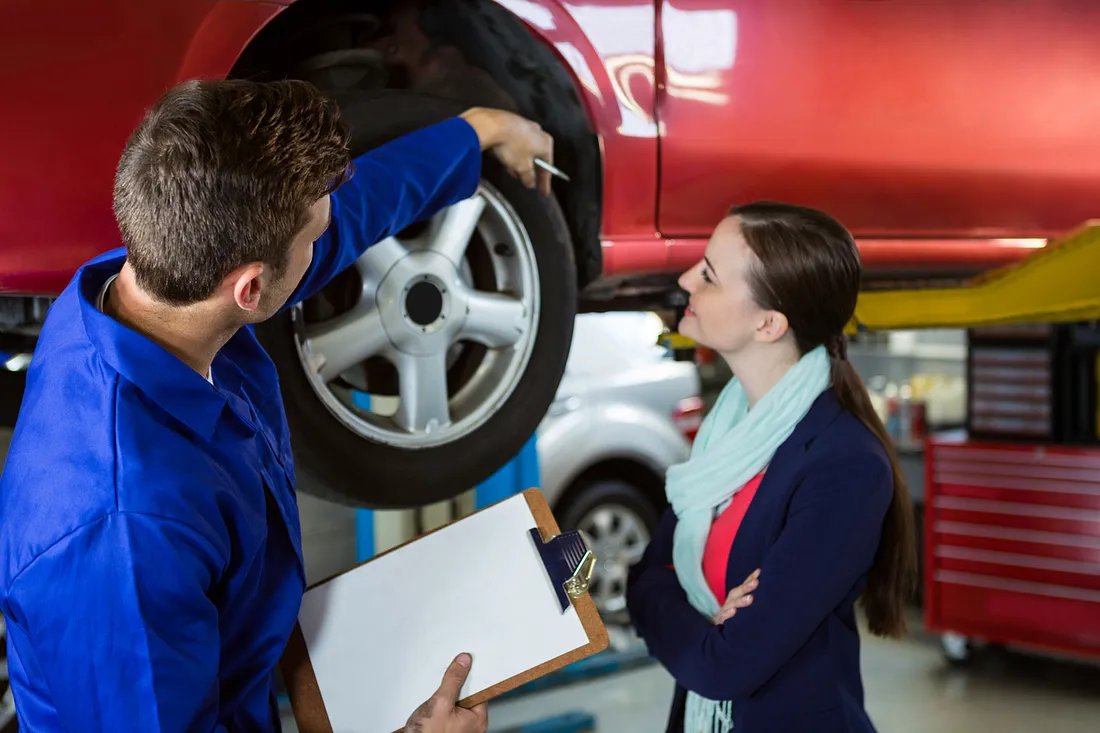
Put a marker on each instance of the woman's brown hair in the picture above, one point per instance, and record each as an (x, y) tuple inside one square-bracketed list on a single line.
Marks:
[(807, 268)]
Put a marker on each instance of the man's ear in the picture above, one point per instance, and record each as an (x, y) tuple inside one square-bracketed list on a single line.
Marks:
[(247, 283), (772, 327)]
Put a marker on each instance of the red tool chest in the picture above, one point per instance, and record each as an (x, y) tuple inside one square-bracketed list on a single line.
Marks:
[(1012, 543)]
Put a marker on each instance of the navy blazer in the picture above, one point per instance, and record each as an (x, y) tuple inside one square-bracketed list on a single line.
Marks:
[(790, 661)]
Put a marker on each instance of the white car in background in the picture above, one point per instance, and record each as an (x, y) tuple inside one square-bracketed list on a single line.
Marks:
[(624, 412)]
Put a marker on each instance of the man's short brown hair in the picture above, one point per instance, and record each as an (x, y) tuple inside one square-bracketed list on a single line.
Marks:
[(221, 173)]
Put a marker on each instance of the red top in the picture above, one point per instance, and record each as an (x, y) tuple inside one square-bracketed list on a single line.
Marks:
[(717, 553)]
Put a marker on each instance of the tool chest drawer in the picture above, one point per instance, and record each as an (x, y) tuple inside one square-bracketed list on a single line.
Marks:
[(1012, 543)]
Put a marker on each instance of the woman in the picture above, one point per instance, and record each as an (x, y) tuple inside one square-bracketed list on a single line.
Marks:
[(792, 484)]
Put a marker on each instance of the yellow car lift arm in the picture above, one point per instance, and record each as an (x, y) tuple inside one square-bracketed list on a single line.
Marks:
[(1059, 283)]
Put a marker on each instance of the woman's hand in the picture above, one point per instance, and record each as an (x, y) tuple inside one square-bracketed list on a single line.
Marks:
[(441, 713), (739, 597)]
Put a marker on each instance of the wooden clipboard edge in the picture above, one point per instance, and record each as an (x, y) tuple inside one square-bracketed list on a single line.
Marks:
[(306, 701)]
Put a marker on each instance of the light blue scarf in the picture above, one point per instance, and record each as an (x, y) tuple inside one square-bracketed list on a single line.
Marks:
[(733, 445)]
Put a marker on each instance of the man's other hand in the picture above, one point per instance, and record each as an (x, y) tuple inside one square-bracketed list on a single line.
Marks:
[(516, 142), (441, 713)]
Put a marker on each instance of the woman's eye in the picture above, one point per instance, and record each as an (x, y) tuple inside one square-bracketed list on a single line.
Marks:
[(706, 277)]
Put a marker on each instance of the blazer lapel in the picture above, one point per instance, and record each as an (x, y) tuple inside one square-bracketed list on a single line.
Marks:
[(754, 535), (788, 458)]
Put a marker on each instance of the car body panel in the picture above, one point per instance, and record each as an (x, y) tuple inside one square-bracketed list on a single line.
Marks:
[(960, 133), (571, 444), (609, 47), (96, 67), (911, 120), (77, 78)]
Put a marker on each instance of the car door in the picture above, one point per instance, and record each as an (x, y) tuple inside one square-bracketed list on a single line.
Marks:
[(947, 121)]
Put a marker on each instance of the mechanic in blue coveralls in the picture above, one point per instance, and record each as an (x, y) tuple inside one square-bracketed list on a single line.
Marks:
[(150, 556)]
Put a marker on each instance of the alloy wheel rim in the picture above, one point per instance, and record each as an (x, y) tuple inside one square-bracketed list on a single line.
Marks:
[(619, 537), (420, 307)]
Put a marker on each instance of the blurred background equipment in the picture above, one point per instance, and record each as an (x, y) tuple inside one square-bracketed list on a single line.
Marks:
[(1011, 508)]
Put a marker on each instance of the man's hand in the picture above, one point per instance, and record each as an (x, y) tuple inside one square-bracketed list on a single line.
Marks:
[(516, 142), (441, 713), (739, 597)]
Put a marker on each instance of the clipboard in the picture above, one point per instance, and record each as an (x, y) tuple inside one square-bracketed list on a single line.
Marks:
[(360, 663)]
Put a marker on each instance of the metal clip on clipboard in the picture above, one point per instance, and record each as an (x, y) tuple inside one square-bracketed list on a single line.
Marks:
[(569, 561)]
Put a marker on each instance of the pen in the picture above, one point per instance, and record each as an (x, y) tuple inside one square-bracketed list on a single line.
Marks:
[(552, 170)]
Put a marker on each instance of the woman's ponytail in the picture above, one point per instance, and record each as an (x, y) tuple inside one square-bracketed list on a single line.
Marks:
[(892, 579), (807, 268)]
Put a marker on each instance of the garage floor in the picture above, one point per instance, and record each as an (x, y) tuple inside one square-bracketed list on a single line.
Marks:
[(909, 690)]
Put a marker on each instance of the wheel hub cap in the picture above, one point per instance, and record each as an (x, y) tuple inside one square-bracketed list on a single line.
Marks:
[(424, 303)]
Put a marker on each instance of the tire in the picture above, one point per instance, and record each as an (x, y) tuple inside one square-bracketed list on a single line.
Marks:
[(604, 509), (8, 722), (358, 455)]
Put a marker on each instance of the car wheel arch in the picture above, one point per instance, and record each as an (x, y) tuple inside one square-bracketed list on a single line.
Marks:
[(547, 91), (634, 470)]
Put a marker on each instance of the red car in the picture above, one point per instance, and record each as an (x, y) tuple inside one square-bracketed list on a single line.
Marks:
[(948, 136)]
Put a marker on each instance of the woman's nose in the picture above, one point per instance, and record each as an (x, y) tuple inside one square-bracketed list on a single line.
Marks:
[(687, 280)]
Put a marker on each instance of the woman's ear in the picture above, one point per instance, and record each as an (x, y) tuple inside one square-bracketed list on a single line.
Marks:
[(771, 327)]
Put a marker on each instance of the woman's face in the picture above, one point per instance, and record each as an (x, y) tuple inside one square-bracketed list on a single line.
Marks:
[(721, 313)]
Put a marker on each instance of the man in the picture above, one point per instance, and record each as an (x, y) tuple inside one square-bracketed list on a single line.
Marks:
[(150, 555)]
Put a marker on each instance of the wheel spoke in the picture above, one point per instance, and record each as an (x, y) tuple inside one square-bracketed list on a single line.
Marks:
[(602, 522), (627, 529), (615, 580), (451, 231), (422, 384), (606, 520), (604, 593), (633, 551), (495, 320), (380, 259), (339, 344)]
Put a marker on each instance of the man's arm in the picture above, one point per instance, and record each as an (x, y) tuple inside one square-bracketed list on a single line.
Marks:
[(829, 541), (411, 178), (120, 627)]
